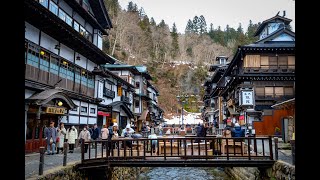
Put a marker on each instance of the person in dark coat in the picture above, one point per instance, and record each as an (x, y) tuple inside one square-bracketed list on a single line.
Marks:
[(199, 133), (237, 131), (95, 134)]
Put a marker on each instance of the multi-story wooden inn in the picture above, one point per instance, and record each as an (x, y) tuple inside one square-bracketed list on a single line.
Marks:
[(260, 75), (63, 44)]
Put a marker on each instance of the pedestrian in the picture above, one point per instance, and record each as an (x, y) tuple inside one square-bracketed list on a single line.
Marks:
[(127, 132), (61, 136), (51, 136), (95, 134), (85, 135), (110, 134), (104, 135), (72, 135), (153, 142)]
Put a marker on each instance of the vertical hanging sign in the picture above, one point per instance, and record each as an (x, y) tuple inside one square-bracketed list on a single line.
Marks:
[(247, 98)]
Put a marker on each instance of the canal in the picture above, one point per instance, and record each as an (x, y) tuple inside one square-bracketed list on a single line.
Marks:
[(184, 173)]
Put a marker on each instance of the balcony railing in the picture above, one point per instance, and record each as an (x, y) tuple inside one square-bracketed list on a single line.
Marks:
[(108, 93), (125, 99)]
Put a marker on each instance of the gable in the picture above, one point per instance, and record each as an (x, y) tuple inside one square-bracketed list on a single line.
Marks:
[(284, 37)]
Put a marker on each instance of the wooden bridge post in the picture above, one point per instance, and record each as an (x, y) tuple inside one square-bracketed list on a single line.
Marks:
[(293, 151), (82, 150), (276, 148), (271, 148), (41, 149), (65, 152)]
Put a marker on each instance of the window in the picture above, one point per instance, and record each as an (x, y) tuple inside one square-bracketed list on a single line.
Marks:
[(283, 62), (33, 56), (90, 81), (136, 104), (92, 110), (264, 62), (278, 91), (69, 20), (288, 91), (252, 61), (44, 61), (259, 91), (222, 61), (77, 75), (269, 91), (82, 31), (63, 68), (62, 14), (74, 109), (70, 72), (137, 84), (273, 62), (84, 109), (76, 26), (84, 79), (99, 40), (54, 65), (44, 3), (53, 8), (291, 62), (108, 86)]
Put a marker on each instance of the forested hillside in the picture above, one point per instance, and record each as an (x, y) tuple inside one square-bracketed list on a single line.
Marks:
[(177, 62)]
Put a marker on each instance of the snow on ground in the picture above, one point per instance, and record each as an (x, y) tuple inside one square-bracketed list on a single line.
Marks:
[(190, 118)]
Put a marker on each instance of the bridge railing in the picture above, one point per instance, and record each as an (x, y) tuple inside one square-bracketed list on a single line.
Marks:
[(163, 148)]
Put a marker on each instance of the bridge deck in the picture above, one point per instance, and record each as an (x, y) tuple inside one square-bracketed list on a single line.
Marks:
[(213, 151)]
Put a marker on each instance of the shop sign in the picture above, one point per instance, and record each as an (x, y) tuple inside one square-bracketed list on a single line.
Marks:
[(247, 98), (101, 113), (55, 110)]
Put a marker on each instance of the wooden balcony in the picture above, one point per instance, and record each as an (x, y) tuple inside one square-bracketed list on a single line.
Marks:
[(108, 93), (125, 99)]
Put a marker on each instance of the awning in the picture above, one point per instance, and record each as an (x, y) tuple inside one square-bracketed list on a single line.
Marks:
[(143, 115), (123, 106), (232, 111)]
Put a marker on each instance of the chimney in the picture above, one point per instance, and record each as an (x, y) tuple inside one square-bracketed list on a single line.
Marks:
[(284, 13)]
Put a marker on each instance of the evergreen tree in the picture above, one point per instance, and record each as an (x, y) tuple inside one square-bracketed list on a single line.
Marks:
[(189, 27), (211, 31), (152, 22), (196, 24), (202, 25), (113, 7), (132, 7), (174, 43), (141, 12), (162, 24)]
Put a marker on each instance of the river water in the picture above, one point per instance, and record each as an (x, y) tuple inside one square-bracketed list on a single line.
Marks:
[(184, 173)]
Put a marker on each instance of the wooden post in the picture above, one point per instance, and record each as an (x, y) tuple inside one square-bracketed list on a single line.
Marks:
[(41, 149), (270, 148), (276, 148), (82, 150), (293, 151), (65, 152)]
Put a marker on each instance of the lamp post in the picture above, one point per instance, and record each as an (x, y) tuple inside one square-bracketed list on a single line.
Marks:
[(182, 99)]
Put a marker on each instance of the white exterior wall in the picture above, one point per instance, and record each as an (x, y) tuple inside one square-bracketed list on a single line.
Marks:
[(48, 42), (82, 62), (284, 37), (32, 33), (83, 120), (73, 119), (28, 93), (66, 53), (63, 5), (90, 65), (94, 106)]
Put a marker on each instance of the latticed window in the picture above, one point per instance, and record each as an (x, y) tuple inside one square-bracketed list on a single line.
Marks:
[(33, 56), (44, 60), (259, 91), (278, 91)]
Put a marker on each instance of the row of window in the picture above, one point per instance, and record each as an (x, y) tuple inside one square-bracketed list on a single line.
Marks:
[(269, 62), (84, 109), (274, 91), (39, 58), (53, 7)]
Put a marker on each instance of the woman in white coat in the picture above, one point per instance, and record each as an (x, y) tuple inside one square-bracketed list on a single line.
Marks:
[(72, 135), (61, 134)]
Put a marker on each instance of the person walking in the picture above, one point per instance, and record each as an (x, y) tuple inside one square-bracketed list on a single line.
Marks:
[(85, 135), (95, 134), (72, 135), (51, 136), (104, 135), (61, 136)]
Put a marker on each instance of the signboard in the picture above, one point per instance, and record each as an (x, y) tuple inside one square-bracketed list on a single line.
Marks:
[(101, 113), (55, 110), (246, 98)]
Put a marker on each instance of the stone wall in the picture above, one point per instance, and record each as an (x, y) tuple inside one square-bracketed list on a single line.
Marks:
[(280, 170), (127, 173), (69, 172)]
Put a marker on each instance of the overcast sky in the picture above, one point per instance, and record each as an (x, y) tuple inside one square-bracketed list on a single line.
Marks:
[(217, 12)]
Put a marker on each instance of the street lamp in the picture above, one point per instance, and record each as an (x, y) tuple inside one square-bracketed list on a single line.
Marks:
[(183, 99)]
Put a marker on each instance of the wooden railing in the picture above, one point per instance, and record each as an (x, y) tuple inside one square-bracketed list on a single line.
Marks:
[(183, 148)]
